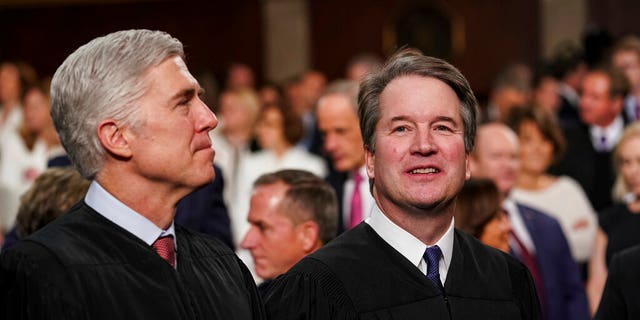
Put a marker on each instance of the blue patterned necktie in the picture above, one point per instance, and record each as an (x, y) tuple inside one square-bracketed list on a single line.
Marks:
[(432, 257)]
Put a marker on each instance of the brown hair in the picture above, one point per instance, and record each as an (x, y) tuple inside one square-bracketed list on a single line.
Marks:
[(50, 196), (476, 205), (308, 198), (291, 122), (545, 121)]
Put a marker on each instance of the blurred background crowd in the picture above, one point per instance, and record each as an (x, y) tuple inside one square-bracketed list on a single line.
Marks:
[(558, 82)]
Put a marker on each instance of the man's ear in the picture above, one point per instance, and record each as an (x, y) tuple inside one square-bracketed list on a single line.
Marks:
[(310, 235), (369, 159), (113, 138)]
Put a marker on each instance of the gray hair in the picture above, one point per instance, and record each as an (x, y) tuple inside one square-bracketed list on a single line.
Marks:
[(348, 88), (104, 79), (412, 62), (308, 198)]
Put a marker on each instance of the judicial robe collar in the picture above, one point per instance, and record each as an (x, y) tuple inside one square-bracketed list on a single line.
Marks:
[(119, 213), (410, 246)]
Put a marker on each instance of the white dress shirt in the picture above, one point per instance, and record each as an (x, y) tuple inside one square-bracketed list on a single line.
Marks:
[(365, 195), (612, 134), (518, 226), (409, 246), (117, 212)]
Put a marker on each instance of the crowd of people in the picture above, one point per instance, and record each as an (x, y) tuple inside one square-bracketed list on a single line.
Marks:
[(233, 214)]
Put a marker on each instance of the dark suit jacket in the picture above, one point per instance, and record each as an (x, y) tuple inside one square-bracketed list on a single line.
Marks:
[(83, 266), (204, 211), (568, 113), (336, 180), (360, 276), (563, 289), (621, 297), (593, 170)]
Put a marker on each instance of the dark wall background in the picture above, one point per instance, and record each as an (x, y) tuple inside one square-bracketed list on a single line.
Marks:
[(215, 33), (496, 32)]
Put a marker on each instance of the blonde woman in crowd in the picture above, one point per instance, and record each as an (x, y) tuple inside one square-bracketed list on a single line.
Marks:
[(620, 223)]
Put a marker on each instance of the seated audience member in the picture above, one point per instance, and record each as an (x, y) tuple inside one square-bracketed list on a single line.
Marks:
[(239, 76), (541, 143), (361, 65), (545, 92), (621, 297), (238, 113), (292, 214), (590, 143), (511, 88), (620, 222), (537, 238), (337, 114), (479, 213), (626, 56), (277, 132), (51, 195), (24, 152), (14, 77), (569, 68)]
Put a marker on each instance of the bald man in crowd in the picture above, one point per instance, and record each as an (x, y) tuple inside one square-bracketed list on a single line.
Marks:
[(537, 239)]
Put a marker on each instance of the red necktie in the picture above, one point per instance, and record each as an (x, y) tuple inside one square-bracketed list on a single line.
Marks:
[(530, 262), (356, 201), (165, 249)]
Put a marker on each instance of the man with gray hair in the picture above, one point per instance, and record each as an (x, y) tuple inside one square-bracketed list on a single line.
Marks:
[(128, 113), (337, 114), (418, 119)]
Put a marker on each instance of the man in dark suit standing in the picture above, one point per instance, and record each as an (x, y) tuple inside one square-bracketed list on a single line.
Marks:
[(129, 114), (337, 114), (406, 261), (590, 143), (537, 239)]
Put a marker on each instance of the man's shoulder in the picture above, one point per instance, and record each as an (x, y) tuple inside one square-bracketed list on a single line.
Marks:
[(530, 213), (486, 258), (201, 244)]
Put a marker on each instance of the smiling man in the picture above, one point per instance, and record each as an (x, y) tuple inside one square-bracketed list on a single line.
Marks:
[(418, 120), (128, 113)]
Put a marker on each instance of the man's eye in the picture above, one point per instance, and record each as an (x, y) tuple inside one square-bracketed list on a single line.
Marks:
[(400, 129), (443, 128)]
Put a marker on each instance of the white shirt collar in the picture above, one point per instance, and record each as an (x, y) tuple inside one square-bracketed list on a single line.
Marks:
[(518, 225), (612, 133), (409, 246), (117, 212)]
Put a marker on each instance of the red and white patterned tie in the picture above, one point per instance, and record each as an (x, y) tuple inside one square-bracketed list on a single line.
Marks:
[(165, 249)]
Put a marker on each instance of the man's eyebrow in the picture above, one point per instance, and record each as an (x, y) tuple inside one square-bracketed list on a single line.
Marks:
[(400, 118), (188, 93), (446, 119)]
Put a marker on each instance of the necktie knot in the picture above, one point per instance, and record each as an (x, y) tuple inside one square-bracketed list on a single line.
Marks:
[(166, 250), (432, 257), (357, 177)]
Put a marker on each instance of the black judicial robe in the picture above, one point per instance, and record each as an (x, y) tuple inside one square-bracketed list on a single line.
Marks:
[(359, 276), (83, 266)]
